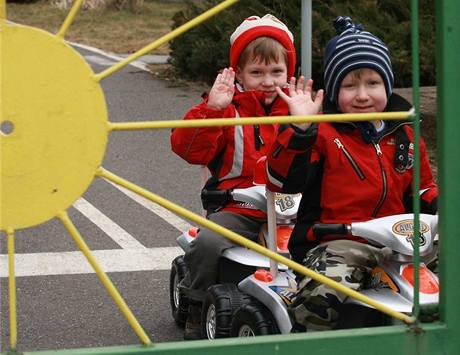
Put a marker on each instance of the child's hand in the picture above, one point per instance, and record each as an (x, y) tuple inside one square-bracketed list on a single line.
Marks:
[(300, 100), (222, 91)]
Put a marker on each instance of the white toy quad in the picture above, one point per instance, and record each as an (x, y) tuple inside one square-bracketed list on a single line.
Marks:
[(236, 265), (253, 292)]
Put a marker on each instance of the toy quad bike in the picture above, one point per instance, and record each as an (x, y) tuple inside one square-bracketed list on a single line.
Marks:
[(265, 311), (253, 298), (236, 264)]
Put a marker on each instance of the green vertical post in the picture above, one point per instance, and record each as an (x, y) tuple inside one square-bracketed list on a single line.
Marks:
[(416, 182), (448, 94)]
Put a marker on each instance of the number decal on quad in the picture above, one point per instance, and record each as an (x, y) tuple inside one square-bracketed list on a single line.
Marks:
[(285, 202), (405, 228)]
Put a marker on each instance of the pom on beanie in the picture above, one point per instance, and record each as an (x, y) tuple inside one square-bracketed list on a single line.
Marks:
[(267, 26), (351, 49)]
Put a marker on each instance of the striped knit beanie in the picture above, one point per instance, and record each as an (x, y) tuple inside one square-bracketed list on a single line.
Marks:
[(351, 49), (267, 26)]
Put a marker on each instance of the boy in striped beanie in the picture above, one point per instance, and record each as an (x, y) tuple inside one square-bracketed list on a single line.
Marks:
[(346, 171), (353, 48)]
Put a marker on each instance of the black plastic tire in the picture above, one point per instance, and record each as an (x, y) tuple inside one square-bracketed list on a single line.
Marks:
[(179, 302), (253, 319), (220, 304)]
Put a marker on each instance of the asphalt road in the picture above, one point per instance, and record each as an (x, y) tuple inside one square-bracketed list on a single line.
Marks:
[(60, 302)]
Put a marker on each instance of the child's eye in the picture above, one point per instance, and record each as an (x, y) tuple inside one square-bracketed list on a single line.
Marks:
[(255, 72)]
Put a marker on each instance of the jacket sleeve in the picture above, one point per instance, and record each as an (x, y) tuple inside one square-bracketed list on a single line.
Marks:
[(428, 187), (289, 159), (200, 145)]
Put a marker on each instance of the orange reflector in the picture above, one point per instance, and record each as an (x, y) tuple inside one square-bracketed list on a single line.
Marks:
[(193, 231), (384, 278), (283, 234), (428, 283), (263, 275)]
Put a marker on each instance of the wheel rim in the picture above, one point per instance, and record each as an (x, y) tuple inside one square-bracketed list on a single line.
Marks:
[(176, 291), (211, 322), (246, 331)]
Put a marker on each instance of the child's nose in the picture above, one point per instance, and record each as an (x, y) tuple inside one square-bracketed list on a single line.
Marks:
[(268, 80), (362, 93)]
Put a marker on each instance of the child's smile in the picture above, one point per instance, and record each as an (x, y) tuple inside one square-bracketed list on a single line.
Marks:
[(362, 91)]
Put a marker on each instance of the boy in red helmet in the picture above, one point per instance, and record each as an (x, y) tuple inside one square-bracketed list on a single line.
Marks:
[(346, 171), (262, 58)]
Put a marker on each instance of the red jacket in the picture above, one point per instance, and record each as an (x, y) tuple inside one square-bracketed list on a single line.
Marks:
[(344, 179), (230, 153)]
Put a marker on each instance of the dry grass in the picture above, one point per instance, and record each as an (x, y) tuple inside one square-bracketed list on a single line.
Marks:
[(117, 31)]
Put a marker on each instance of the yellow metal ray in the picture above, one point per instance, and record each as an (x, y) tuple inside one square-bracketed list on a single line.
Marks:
[(216, 122), (2, 9), (105, 280), (70, 17), (166, 38), (12, 290), (178, 210)]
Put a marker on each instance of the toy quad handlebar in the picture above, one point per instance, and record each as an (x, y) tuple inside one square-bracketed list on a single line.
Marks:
[(322, 229)]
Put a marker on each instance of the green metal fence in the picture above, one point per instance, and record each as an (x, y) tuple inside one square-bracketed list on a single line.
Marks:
[(439, 337)]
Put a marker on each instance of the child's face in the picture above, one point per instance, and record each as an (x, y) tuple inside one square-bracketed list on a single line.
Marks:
[(256, 75), (362, 91)]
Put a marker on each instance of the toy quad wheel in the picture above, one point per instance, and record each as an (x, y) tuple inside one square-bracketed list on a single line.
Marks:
[(221, 302), (179, 302), (253, 319)]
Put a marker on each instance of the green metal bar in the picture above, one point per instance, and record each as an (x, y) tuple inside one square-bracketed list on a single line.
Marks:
[(416, 127), (448, 94), (376, 341)]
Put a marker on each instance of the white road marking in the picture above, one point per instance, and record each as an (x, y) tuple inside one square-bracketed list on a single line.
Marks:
[(109, 227), (136, 63), (69, 263), (169, 217), (99, 60)]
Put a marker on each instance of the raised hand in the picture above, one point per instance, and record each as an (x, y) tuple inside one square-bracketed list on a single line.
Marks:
[(222, 91), (300, 99)]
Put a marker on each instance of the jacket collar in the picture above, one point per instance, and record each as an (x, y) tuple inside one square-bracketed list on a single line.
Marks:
[(252, 103), (395, 103)]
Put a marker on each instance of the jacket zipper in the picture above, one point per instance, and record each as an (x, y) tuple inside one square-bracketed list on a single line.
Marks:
[(350, 159), (384, 180), (258, 141)]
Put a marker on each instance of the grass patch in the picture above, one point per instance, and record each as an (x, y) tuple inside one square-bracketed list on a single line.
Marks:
[(118, 31)]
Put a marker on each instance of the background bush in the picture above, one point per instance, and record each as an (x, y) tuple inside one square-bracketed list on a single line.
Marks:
[(201, 52)]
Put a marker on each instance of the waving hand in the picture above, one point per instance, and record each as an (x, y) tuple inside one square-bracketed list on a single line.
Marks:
[(300, 99), (222, 91)]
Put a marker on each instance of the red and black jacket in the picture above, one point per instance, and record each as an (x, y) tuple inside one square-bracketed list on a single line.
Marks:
[(346, 175), (230, 153)]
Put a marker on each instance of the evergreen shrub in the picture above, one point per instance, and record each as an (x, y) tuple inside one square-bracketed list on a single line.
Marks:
[(201, 52)]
